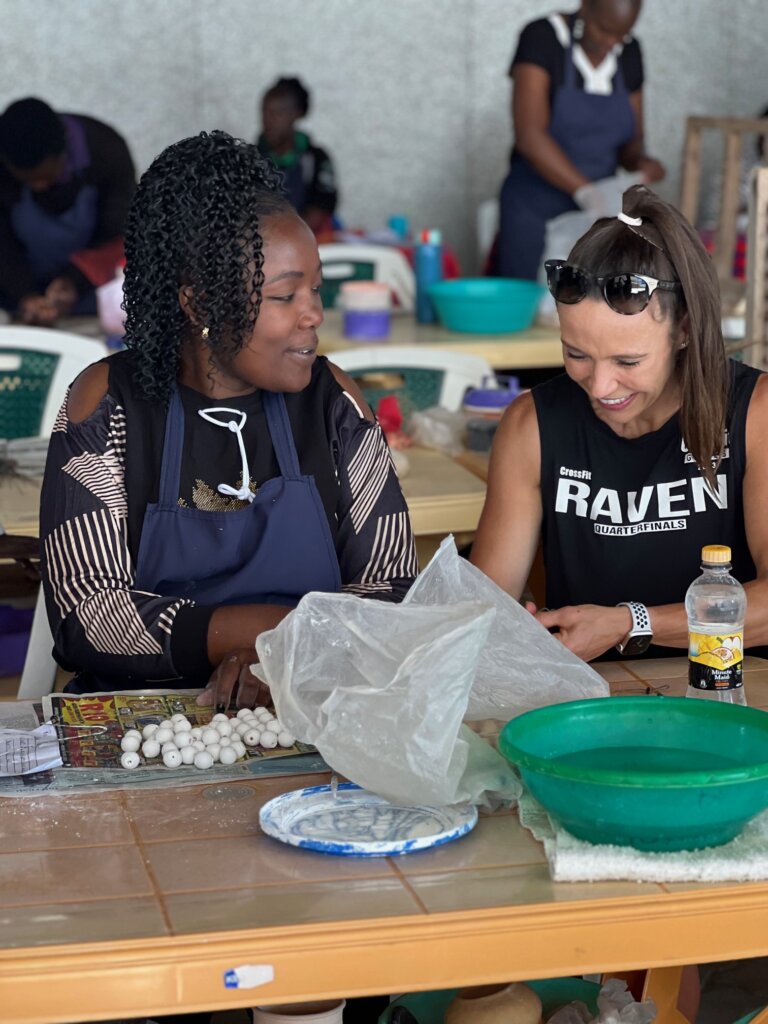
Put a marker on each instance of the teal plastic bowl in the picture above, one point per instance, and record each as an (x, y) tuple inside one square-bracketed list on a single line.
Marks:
[(430, 1007), (486, 305), (656, 773)]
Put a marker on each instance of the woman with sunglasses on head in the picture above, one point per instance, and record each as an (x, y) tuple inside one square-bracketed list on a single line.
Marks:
[(648, 447), (201, 482)]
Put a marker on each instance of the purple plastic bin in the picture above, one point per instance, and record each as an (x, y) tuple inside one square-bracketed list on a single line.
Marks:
[(15, 626)]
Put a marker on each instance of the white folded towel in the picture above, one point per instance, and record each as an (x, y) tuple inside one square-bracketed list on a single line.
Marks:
[(744, 859)]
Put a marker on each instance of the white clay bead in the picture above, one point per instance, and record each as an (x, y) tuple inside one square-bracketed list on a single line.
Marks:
[(170, 745), (196, 732), (285, 739), (163, 734), (239, 749), (265, 716), (244, 712), (225, 741), (203, 759), (180, 719), (172, 758), (220, 717), (227, 755), (210, 736), (273, 726), (130, 759), (259, 709), (214, 750), (149, 730), (198, 744), (242, 728), (182, 739), (252, 738), (268, 739), (130, 744), (132, 732), (150, 748), (188, 754), (166, 724), (223, 728)]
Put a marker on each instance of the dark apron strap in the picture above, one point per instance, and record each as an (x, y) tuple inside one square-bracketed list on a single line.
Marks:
[(281, 434), (173, 445)]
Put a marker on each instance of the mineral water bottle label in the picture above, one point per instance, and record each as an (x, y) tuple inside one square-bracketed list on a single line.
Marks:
[(715, 662)]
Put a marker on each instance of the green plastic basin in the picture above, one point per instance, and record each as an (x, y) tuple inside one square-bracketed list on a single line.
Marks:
[(656, 773), (486, 305)]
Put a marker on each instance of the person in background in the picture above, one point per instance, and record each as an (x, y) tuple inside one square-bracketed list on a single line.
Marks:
[(66, 181), (201, 482), (651, 445), (308, 175), (577, 108)]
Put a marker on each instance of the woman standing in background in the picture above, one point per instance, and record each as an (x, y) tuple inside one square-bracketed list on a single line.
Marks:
[(577, 108)]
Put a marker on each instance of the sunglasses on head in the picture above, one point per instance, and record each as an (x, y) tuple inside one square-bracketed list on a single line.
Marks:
[(625, 293)]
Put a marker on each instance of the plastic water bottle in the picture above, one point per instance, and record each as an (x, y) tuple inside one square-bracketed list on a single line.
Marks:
[(429, 270), (716, 605)]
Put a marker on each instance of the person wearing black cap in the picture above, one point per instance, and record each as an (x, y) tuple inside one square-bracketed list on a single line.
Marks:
[(66, 182)]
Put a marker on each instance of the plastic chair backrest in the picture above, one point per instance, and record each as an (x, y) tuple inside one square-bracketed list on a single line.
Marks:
[(418, 377), (342, 262), (37, 365), (39, 674), (487, 226)]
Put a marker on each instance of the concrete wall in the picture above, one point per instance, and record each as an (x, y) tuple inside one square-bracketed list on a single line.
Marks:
[(410, 96)]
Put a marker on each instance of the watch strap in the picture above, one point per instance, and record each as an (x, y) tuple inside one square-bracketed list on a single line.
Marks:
[(641, 624)]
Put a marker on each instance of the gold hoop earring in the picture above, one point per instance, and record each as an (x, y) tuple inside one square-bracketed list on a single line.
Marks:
[(204, 333)]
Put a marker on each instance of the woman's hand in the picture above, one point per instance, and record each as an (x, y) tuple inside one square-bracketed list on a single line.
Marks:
[(233, 678), (587, 629)]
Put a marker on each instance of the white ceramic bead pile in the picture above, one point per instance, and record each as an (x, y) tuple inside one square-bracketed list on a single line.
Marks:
[(224, 739)]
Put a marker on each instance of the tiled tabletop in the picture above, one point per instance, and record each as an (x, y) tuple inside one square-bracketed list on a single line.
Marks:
[(130, 903)]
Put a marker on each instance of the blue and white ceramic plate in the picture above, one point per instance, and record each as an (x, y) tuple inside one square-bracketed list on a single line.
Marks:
[(350, 821)]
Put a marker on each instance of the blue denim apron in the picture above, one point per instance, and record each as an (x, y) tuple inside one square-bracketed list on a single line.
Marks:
[(273, 551), (49, 239), (590, 129)]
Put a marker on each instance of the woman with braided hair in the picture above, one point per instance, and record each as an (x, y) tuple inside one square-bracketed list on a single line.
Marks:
[(201, 482)]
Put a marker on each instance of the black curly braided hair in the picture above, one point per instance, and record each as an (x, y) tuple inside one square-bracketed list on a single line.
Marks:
[(194, 222)]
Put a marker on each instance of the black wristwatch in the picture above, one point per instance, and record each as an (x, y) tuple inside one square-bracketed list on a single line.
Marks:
[(639, 638)]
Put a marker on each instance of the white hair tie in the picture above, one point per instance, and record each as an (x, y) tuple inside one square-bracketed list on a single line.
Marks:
[(632, 222)]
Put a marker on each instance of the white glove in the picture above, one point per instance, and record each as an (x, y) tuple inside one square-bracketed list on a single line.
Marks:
[(603, 198)]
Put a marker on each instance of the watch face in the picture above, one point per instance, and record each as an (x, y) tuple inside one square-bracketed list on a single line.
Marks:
[(637, 644)]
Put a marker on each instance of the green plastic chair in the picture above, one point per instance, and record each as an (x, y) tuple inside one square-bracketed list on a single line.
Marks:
[(37, 365), (419, 378), (342, 262)]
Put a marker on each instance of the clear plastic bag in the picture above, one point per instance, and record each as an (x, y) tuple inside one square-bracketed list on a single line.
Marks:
[(381, 690), (438, 428), (521, 665), (615, 1005)]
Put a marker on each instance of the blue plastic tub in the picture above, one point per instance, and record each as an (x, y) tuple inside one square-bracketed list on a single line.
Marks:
[(486, 305)]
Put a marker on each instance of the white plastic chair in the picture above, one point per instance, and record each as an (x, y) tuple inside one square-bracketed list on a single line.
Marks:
[(39, 673), (341, 262), (460, 371), (74, 353)]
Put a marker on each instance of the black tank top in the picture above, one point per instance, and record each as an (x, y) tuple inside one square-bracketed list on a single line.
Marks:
[(626, 519)]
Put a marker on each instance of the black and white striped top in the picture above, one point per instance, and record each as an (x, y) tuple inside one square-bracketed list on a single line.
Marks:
[(102, 473)]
